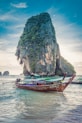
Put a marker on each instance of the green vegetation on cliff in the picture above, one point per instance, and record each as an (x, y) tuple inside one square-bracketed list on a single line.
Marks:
[(67, 67), (38, 48)]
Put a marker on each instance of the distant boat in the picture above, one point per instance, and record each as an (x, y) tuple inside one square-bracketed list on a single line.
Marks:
[(42, 86), (77, 80)]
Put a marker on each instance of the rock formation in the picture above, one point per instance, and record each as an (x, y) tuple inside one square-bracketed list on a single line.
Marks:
[(5, 73), (38, 49), (0, 73)]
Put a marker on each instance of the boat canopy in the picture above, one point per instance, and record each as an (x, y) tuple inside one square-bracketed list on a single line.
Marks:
[(46, 79)]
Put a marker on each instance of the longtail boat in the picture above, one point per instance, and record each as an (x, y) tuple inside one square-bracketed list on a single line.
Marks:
[(45, 87)]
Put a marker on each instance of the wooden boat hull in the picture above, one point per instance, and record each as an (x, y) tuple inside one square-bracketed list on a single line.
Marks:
[(59, 87)]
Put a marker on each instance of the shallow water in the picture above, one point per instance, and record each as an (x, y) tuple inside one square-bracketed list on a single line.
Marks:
[(22, 106)]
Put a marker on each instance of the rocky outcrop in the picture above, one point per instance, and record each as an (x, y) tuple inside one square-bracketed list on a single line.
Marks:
[(65, 67), (5, 73), (37, 48), (0, 73)]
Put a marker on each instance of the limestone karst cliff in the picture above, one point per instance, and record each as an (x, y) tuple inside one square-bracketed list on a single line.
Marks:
[(0, 73), (6, 73), (38, 49)]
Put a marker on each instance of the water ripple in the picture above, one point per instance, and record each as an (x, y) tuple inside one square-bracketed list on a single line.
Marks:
[(17, 105)]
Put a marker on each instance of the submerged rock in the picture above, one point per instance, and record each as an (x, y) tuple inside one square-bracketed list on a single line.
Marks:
[(38, 49)]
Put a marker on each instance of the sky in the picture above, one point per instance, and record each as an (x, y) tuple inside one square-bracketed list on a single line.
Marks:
[(66, 17)]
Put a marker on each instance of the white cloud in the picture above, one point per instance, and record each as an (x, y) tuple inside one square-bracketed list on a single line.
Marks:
[(9, 41), (69, 38), (15, 27), (14, 35), (8, 16), (9, 62), (12, 16), (19, 5), (3, 44)]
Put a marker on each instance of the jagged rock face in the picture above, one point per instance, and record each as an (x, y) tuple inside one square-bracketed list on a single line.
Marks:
[(37, 48)]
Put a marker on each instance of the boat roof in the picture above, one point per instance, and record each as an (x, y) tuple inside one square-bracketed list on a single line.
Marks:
[(46, 79)]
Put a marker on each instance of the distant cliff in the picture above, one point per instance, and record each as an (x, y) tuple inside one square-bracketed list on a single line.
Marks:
[(38, 49), (0, 73), (6, 73)]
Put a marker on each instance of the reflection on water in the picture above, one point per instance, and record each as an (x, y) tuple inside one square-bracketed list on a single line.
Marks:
[(40, 105), (17, 105)]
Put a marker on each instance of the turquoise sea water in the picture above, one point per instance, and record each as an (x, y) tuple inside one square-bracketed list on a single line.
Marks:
[(23, 106)]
